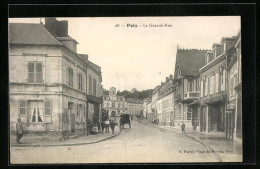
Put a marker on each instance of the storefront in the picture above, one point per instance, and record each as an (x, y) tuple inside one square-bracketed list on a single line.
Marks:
[(212, 117)]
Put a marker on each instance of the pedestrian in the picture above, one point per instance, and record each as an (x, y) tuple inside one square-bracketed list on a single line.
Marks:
[(19, 130), (112, 125), (107, 126), (183, 128)]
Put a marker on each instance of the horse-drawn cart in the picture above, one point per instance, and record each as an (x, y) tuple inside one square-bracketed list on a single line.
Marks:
[(125, 119)]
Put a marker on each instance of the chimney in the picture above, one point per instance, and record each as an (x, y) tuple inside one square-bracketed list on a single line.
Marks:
[(170, 76), (52, 25), (57, 28), (63, 29), (167, 79)]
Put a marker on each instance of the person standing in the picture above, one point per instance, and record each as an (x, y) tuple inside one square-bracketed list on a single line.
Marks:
[(112, 126), (183, 128), (19, 130)]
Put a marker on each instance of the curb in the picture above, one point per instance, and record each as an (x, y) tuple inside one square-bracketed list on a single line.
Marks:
[(68, 144), (193, 138)]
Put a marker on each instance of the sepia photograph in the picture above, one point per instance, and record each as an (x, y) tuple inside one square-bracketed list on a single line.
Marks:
[(160, 89)]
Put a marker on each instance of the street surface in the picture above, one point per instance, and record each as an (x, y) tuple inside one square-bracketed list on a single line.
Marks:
[(140, 144)]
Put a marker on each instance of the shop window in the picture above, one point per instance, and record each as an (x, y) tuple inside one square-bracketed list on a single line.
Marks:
[(35, 72)]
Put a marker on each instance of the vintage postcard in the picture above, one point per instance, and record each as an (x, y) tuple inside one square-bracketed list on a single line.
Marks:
[(125, 90)]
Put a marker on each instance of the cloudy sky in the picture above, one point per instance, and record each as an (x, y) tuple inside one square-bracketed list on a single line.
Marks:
[(141, 57)]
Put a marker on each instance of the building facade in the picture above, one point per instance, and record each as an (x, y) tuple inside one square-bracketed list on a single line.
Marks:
[(167, 102), (213, 94), (134, 107), (115, 105), (234, 102), (186, 83), (47, 78)]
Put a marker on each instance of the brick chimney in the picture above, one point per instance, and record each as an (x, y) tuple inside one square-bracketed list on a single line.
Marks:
[(59, 29)]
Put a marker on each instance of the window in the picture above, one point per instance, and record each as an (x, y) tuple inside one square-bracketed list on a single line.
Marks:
[(80, 113), (86, 84), (113, 104), (94, 87), (80, 81), (35, 72), (70, 77), (90, 84), (39, 111), (212, 82)]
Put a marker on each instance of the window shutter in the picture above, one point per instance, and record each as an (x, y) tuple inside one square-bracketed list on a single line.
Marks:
[(38, 72), (30, 72), (48, 111), (23, 111), (68, 77), (217, 83)]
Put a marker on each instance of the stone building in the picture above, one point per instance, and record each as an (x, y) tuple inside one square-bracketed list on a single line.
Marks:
[(166, 95), (115, 105), (48, 78), (234, 94), (134, 107), (213, 90), (187, 65)]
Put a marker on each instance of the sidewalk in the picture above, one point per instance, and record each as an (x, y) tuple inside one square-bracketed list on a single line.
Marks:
[(49, 140), (227, 150)]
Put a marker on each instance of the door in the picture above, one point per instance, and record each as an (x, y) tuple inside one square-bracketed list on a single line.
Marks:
[(72, 119)]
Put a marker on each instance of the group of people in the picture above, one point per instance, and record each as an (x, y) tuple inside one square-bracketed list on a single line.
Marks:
[(106, 124)]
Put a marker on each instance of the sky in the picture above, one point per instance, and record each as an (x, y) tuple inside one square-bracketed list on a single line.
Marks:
[(142, 57)]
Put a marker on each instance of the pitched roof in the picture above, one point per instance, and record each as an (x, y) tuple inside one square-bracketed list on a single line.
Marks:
[(31, 34), (190, 61)]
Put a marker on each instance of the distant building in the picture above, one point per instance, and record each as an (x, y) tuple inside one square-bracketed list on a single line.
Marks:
[(49, 89), (115, 105), (166, 95), (186, 82), (154, 104), (134, 107)]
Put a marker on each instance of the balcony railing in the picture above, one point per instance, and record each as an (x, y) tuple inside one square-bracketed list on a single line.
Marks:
[(191, 96)]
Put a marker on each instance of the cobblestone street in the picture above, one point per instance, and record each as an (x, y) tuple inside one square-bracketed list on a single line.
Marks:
[(141, 143)]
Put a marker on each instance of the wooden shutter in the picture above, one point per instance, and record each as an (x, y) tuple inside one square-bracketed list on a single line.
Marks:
[(47, 111), (30, 72), (68, 77), (217, 83), (23, 111), (38, 73)]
